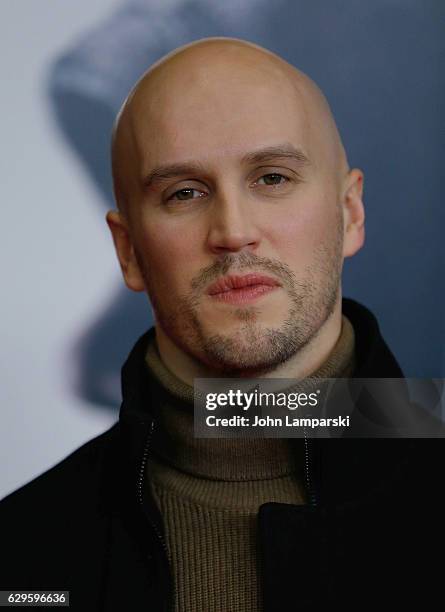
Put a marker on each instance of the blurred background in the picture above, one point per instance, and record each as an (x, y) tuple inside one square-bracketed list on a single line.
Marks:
[(68, 322)]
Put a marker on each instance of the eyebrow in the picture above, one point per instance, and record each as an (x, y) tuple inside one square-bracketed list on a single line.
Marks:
[(268, 154)]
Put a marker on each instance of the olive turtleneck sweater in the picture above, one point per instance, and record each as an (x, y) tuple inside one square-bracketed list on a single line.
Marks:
[(209, 491)]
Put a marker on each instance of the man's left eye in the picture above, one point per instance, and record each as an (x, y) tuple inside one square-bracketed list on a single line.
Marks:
[(273, 179)]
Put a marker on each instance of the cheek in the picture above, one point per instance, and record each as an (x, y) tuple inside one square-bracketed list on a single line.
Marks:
[(168, 252), (306, 226)]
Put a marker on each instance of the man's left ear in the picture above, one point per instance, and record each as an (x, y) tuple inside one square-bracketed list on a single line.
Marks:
[(353, 213)]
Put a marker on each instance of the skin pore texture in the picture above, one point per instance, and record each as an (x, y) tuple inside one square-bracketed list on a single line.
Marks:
[(227, 160)]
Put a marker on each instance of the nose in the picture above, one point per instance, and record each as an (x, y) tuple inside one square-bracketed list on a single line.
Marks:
[(232, 226)]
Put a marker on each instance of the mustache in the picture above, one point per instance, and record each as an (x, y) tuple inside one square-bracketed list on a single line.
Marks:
[(232, 262)]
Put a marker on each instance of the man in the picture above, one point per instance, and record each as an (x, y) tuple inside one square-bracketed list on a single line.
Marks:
[(236, 207)]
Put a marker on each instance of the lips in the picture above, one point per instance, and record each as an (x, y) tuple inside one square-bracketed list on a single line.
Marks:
[(229, 283)]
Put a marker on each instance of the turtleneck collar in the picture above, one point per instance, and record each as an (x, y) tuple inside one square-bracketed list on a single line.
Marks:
[(223, 458)]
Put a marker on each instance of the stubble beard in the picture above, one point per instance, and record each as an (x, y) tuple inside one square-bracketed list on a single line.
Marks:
[(254, 349)]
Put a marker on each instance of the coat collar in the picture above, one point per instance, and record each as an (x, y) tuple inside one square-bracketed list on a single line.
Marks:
[(374, 358), (336, 468)]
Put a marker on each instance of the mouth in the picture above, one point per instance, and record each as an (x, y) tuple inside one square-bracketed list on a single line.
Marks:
[(242, 289)]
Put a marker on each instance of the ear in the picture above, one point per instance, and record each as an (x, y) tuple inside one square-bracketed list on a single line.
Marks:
[(125, 251), (353, 213)]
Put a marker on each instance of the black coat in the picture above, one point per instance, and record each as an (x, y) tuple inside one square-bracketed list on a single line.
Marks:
[(372, 534)]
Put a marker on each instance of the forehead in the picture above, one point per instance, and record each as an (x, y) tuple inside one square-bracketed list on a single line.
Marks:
[(194, 117)]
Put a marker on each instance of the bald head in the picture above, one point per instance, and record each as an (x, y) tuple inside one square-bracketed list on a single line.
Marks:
[(227, 159), (213, 89)]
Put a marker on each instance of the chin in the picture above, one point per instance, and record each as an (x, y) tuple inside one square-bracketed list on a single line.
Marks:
[(245, 319), (244, 352)]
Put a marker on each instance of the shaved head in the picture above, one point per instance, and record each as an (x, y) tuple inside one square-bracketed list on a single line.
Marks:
[(207, 73), (227, 161)]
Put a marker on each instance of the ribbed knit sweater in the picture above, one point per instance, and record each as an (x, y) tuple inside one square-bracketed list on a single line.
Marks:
[(209, 491)]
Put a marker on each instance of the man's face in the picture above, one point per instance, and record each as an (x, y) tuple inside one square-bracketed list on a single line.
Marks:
[(256, 196)]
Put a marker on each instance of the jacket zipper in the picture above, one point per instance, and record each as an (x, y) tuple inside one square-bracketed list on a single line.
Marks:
[(140, 489), (309, 483), (312, 498)]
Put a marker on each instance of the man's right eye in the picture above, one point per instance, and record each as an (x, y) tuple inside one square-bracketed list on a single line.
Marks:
[(186, 194)]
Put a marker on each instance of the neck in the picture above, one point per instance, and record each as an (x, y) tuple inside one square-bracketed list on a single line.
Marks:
[(307, 360)]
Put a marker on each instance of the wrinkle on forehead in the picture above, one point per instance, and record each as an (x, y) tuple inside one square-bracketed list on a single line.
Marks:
[(212, 63)]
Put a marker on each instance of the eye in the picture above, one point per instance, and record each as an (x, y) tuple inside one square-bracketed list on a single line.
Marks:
[(273, 179), (187, 193)]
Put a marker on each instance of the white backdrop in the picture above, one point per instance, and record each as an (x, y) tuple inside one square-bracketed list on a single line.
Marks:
[(53, 283)]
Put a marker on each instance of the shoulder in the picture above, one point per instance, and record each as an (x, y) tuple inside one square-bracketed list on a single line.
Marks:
[(47, 525), (79, 470)]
